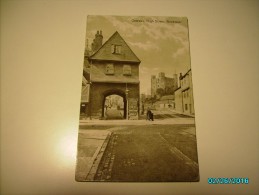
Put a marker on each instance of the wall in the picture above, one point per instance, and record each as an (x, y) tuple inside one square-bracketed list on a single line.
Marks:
[(118, 68), (178, 100)]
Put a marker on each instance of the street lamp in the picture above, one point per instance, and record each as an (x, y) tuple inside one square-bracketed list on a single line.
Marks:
[(127, 99), (89, 100)]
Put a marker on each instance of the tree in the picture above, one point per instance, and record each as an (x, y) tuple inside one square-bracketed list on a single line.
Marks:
[(169, 91), (160, 92)]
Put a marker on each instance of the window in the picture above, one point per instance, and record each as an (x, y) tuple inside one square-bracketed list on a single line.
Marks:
[(186, 107), (109, 69), (116, 49), (126, 70)]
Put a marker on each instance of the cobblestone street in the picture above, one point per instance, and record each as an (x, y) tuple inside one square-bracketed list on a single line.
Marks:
[(153, 153)]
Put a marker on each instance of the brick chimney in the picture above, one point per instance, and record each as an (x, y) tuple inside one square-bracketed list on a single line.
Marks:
[(98, 41)]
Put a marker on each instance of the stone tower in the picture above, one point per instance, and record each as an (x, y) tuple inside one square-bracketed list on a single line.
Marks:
[(153, 86)]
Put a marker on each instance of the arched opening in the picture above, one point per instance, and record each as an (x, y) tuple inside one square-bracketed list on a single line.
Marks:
[(114, 105)]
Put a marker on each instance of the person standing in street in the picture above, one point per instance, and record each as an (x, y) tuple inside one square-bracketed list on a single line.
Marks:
[(150, 115)]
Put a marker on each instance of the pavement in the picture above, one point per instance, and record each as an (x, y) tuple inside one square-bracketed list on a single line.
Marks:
[(177, 112), (139, 122), (91, 146), (114, 114)]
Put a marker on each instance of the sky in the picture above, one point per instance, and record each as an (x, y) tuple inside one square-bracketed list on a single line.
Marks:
[(161, 43)]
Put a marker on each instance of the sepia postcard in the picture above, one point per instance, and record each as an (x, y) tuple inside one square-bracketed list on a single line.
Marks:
[(137, 117)]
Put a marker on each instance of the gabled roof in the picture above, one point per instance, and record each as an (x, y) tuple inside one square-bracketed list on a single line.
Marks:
[(164, 102), (84, 81), (104, 52), (167, 97), (185, 74)]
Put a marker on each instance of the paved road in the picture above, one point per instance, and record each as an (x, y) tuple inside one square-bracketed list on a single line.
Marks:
[(165, 114), (149, 153), (113, 114)]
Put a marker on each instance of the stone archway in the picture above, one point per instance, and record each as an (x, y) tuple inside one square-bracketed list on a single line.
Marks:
[(117, 92), (99, 91)]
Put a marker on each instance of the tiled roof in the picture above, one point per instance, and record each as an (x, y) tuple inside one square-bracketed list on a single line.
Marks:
[(164, 101), (104, 53), (185, 74), (167, 97)]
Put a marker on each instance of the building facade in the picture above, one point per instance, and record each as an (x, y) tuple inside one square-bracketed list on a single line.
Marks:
[(184, 94), (166, 84), (112, 68), (167, 101)]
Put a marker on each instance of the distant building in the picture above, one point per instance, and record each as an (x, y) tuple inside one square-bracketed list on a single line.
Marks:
[(184, 94), (166, 84), (166, 101)]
